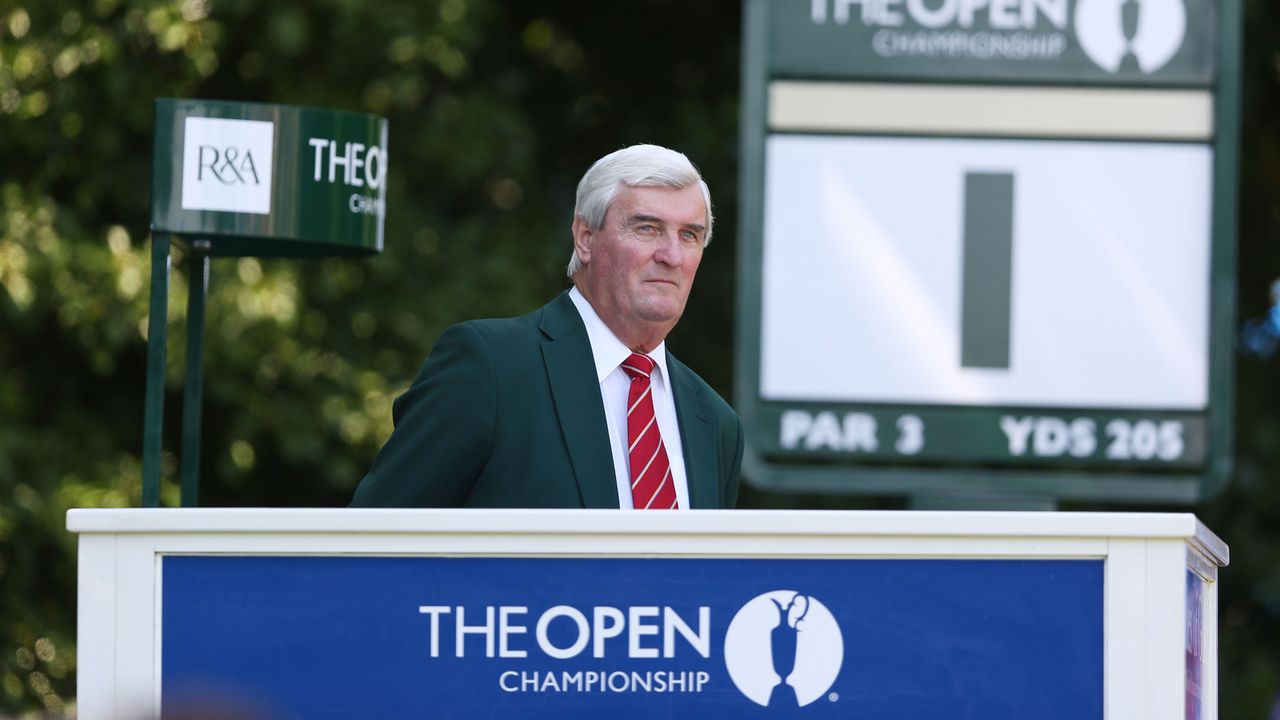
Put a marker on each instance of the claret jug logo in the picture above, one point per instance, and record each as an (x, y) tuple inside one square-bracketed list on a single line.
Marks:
[(226, 165), (1124, 35), (783, 649)]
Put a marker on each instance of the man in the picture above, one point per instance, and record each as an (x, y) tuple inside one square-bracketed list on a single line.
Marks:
[(578, 404)]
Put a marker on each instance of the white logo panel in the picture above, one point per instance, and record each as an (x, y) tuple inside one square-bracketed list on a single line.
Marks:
[(1158, 28), (226, 165), (783, 648), (864, 254)]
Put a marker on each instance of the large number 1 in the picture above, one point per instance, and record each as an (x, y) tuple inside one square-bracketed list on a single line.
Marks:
[(986, 293)]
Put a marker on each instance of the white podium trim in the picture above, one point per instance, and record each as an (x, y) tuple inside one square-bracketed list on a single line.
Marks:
[(1146, 559)]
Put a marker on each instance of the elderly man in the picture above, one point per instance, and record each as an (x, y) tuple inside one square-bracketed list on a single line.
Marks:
[(579, 403)]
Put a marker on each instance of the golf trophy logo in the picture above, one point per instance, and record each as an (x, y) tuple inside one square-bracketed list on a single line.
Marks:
[(1131, 35), (783, 649)]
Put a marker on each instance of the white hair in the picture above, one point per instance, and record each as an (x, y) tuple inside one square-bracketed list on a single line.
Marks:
[(635, 166)]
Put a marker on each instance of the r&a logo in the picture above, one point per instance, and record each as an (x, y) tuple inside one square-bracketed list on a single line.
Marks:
[(229, 166), (783, 649), (226, 165)]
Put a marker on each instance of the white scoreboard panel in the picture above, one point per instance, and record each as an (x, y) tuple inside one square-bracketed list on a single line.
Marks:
[(864, 245)]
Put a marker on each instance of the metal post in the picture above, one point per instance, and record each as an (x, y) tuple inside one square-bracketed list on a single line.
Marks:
[(193, 391), (157, 324)]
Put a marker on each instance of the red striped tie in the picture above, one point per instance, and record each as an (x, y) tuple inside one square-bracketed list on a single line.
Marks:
[(652, 487)]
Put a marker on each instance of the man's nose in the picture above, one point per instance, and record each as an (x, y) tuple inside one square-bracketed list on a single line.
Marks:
[(669, 251)]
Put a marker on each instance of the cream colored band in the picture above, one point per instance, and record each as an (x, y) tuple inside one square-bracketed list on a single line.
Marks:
[(983, 110)]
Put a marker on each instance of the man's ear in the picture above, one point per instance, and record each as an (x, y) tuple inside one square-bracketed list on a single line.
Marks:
[(582, 236)]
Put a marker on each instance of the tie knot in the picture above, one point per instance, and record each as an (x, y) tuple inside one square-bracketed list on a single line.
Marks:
[(638, 365)]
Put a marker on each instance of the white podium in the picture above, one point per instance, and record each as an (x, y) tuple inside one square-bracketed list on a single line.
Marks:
[(518, 613)]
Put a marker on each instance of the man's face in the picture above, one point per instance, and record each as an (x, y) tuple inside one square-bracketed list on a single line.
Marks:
[(639, 265)]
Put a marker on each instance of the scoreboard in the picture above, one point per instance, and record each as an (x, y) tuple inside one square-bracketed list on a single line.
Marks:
[(987, 246)]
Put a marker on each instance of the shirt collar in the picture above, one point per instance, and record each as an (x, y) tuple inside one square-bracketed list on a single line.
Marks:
[(607, 350)]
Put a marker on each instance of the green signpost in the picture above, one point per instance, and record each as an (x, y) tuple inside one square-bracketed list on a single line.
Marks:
[(248, 179), (987, 248)]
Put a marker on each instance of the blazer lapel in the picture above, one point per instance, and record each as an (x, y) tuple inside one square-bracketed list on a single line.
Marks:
[(571, 373), (697, 436)]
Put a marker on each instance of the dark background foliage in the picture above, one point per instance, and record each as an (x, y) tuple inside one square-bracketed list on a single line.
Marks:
[(495, 108)]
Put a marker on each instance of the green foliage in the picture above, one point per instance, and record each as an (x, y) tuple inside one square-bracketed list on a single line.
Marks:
[(1246, 514), (496, 108)]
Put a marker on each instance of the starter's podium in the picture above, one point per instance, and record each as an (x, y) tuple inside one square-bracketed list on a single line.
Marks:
[(518, 613)]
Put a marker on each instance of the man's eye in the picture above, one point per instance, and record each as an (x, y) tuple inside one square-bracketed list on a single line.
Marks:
[(647, 228), (689, 236)]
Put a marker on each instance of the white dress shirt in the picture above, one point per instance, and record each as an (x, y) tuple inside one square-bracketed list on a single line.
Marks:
[(609, 352)]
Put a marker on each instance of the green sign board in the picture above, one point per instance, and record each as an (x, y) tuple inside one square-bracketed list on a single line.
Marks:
[(269, 180), (1110, 42), (987, 248), (231, 179)]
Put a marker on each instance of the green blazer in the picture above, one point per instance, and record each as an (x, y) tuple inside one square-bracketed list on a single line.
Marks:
[(507, 413)]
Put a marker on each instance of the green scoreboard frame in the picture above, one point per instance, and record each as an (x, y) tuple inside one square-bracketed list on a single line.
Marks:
[(958, 451)]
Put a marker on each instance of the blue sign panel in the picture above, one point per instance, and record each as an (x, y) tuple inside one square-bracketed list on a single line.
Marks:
[(426, 637), (1194, 678)]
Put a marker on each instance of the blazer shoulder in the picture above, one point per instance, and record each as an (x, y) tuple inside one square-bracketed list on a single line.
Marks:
[(681, 374), (556, 318), (502, 334)]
